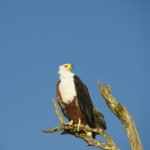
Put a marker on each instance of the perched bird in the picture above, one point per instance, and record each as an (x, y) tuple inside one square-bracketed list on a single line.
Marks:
[(75, 102)]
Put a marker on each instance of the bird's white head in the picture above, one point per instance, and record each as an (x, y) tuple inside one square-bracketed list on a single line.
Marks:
[(65, 71)]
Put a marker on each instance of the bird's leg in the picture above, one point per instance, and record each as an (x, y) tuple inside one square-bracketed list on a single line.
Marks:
[(70, 123), (78, 125)]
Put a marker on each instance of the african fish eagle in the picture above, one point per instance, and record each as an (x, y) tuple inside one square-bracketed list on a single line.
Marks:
[(75, 102)]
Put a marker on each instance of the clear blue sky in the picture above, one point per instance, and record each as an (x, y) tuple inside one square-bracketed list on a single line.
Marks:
[(104, 39)]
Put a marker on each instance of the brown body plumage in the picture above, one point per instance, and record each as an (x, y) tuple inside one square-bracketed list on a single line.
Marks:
[(75, 101)]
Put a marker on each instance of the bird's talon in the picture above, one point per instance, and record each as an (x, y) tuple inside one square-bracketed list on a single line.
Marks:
[(69, 123), (79, 125)]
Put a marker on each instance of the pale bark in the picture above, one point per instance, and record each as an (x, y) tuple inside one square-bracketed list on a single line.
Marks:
[(121, 112)]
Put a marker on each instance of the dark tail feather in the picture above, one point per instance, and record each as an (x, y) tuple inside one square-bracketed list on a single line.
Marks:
[(99, 119)]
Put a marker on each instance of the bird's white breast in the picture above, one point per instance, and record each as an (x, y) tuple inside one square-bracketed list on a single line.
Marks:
[(67, 89)]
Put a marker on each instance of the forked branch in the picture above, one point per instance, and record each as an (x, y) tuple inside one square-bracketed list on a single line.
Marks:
[(121, 112), (118, 109)]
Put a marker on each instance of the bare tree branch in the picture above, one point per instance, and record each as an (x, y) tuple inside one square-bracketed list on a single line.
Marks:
[(118, 109), (121, 112), (81, 132), (73, 130)]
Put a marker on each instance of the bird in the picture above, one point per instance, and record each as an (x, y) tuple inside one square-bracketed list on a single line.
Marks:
[(75, 102)]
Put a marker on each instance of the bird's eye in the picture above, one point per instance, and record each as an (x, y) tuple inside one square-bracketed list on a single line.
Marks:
[(65, 66)]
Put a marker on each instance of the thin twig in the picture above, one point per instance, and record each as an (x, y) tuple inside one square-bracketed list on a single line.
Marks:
[(61, 119)]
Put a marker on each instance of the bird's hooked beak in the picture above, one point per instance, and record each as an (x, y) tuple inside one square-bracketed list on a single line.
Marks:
[(68, 66)]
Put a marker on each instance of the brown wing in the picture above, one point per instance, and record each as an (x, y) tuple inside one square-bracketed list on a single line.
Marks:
[(98, 116), (84, 102), (62, 105)]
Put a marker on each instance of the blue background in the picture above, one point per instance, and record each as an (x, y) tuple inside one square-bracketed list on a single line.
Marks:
[(103, 39)]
